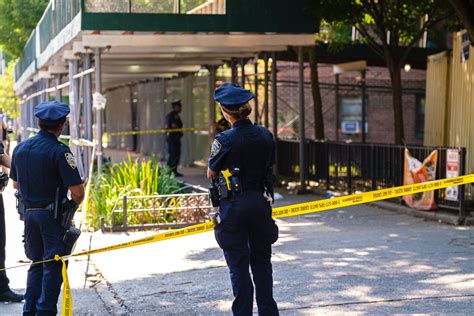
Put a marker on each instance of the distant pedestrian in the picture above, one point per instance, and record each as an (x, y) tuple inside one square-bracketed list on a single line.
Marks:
[(241, 161), (173, 139), (6, 294)]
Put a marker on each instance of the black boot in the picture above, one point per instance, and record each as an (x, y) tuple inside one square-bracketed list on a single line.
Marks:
[(10, 296)]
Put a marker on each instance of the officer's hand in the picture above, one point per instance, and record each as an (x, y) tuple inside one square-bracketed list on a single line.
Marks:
[(211, 174)]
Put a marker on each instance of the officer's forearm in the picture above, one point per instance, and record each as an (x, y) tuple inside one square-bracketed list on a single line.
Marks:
[(211, 174), (77, 193), (5, 161)]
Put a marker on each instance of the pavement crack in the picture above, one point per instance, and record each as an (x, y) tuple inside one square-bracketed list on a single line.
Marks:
[(106, 293)]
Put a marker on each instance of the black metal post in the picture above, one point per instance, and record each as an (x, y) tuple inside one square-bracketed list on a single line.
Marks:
[(242, 72), (256, 84), (462, 171), (233, 69), (373, 168), (302, 136), (338, 106), (364, 104), (328, 174), (349, 171), (265, 93), (275, 108)]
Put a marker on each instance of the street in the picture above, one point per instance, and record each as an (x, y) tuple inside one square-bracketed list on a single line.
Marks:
[(360, 260)]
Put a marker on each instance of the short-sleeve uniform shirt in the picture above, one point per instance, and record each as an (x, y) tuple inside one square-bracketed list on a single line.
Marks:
[(41, 165)]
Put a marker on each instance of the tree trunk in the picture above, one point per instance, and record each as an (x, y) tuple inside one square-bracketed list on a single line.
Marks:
[(316, 92), (396, 79), (465, 12)]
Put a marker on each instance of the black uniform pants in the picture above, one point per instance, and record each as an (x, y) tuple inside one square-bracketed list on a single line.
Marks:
[(246, 234), (3, 276), (174, 153)]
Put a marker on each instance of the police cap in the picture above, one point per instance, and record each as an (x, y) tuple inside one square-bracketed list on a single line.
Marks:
[(232, 96), (176, 102), (52, 112)]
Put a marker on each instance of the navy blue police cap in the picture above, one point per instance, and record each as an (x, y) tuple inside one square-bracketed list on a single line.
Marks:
[(232, 96), (52, 112)]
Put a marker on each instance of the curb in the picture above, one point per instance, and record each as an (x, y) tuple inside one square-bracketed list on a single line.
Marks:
[(438, 216)]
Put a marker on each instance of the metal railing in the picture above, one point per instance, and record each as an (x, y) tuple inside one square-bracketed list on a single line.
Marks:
[(159, 211), (58, 14), (355, 167), (29, 55)]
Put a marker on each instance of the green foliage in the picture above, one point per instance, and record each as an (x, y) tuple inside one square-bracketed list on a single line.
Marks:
[(18, 18), (131, 178), (8, 99), (337, 34), (388, 24)]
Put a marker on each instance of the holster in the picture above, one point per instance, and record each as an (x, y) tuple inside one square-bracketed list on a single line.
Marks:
[(70, 237), (214, 193), (68, 209), (20, 206)]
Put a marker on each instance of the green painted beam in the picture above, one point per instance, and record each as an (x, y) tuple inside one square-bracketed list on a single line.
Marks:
[(280, 16)]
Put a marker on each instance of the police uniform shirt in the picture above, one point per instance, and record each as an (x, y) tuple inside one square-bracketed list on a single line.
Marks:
[(174, 121), (245, 145), (41, 165)]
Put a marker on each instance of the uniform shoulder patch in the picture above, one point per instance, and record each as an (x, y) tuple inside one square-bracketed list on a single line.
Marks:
[(215, 148), (71, 160)]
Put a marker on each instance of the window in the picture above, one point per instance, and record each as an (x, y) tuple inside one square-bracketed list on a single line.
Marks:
[(203, 6), (420, 116), (157, 6), (351, 116)]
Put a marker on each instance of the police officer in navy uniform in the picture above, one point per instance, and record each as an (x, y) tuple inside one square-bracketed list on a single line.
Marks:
[(173, 121), (42, 169), (245, 229), (6, 294)]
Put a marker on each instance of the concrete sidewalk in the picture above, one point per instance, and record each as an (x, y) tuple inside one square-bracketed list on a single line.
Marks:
[(86, 301), (357, 260)]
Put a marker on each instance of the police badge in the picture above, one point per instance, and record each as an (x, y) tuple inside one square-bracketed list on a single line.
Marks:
[(215, 148), (71, 161)]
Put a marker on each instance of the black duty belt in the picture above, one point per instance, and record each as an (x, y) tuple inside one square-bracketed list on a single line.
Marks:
[(49, 207)]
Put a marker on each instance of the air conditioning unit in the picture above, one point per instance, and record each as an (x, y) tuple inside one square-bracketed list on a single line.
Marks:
[(350, 127)]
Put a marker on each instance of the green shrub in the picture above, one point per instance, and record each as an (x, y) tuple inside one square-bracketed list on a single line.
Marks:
[(131, 178)]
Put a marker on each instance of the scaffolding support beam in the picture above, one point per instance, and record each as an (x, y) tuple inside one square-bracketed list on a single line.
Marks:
[(275, 108), (74, 107), (87, 108), (302, 136), (265, 93), (255, 113), (58, 92), (99, 111), (212, 103)]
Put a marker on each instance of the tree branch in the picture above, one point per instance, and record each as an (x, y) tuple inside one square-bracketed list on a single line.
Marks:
[(370, 41)]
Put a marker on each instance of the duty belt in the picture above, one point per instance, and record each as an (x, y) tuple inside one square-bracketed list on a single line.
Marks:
[(49, 207)]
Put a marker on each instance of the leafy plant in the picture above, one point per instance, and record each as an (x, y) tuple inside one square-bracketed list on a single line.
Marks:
[(131, 178)]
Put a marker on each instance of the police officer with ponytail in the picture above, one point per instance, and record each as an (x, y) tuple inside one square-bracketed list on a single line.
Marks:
[(241, 163)]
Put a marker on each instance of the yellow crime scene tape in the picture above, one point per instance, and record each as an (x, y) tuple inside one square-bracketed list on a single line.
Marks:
[(278, 212), (155, 131)]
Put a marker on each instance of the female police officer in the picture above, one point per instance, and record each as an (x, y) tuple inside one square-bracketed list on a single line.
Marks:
[(242, 158)]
